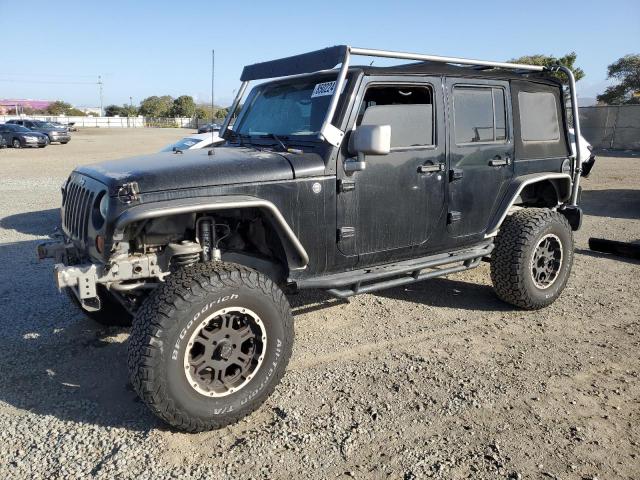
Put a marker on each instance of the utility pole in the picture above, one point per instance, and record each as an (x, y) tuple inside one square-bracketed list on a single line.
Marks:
[(213, 70), (100, 87)]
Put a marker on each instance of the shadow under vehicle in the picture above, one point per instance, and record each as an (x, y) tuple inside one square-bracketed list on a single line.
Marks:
[(347, 181)]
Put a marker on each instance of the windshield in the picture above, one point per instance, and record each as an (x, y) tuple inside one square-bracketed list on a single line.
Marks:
[(287, 109), (184, 144)]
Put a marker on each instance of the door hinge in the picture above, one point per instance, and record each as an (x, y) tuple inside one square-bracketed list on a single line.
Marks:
[(455, 174), (346, 185), (453, 217), (346, 232)]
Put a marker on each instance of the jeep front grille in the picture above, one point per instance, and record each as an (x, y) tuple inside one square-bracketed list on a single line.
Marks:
[(76, 204)]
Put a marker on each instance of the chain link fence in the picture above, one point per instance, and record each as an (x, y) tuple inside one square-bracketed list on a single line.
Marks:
[(615, 127)]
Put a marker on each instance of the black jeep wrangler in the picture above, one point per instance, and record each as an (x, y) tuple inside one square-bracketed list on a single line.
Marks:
[(347, 180)]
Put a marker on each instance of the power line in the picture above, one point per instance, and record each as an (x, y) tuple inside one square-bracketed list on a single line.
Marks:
[(47, 75), (45, 82)]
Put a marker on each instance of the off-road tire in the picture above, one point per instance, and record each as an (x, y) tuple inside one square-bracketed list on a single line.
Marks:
[(111, 313), (511, 259), (168, 319)]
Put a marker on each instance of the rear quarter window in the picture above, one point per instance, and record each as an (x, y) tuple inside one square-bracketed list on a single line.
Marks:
[(538, 117)]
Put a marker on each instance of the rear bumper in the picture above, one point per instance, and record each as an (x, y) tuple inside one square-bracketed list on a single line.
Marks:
[(588, 166), (60, 137)]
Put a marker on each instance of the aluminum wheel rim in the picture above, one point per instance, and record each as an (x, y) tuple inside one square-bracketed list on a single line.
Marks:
[(546, 261), (225, 351)]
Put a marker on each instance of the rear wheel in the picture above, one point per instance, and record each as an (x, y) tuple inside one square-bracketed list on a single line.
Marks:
[(210, 345), (532, 259)]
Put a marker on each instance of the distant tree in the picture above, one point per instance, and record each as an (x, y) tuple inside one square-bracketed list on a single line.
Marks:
[(27, 111), (75, 112), (183, 106), (155, 106), (221, 113), (626, 70), (128, 111), (568, 60), (203, 112), (58, 108), (112, 111)]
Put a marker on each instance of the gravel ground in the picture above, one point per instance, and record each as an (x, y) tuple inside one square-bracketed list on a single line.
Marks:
[(438, 379)]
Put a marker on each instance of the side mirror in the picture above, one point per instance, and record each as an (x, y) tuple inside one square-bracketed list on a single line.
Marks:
[(371, 140)]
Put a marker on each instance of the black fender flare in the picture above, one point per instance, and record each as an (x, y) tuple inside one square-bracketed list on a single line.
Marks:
[(560, 181), (297, 256)]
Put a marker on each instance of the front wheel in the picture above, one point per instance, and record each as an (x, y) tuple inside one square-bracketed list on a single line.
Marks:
[(16, 143), (532, 259), (210, 345)]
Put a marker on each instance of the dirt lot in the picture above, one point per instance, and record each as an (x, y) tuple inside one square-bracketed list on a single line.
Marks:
[(438, 379)]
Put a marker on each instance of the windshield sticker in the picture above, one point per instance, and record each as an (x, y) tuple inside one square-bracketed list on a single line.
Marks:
[(326, 88)]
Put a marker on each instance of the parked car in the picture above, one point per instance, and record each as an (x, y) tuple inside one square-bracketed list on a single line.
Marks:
[(194, 142), (586, 153), (19, 137), (347, 181), (55, 134), (209, 127), (69, 126)]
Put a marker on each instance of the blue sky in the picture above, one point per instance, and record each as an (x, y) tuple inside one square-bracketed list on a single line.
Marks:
[(56, 50)]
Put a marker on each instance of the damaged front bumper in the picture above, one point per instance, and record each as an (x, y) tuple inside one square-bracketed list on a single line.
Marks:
[(120, 274)]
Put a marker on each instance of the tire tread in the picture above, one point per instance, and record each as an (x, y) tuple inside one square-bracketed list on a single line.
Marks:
[(159, 312)]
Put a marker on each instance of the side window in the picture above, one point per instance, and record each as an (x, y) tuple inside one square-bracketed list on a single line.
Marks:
[(408, 109), (538, 117), (479, 115)]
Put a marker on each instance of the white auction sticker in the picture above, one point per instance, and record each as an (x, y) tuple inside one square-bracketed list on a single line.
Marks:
[(325, 88)]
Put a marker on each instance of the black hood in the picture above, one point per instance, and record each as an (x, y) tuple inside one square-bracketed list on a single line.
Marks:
[(196, 168)]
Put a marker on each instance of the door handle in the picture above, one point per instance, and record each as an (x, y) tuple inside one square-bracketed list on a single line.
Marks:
[(438, 167), (497, 161)]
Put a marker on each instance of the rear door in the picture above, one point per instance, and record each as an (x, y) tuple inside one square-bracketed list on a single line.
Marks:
[(481, 152)]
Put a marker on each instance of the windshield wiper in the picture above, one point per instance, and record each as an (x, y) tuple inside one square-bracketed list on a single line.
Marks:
[(277, 139)]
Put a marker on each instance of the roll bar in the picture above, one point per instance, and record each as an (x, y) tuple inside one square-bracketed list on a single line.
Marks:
[(322, 60)]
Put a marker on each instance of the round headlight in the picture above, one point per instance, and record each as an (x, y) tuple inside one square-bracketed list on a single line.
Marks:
[(99, 211), (566, 166), (104, 206)]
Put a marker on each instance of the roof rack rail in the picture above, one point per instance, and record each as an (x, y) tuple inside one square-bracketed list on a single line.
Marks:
[(329, 58)]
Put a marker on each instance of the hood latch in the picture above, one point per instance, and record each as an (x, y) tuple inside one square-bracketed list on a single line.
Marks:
[(128, 192)]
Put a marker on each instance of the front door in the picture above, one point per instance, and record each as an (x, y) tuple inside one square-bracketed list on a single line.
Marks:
[(480, 153), (394, 202)]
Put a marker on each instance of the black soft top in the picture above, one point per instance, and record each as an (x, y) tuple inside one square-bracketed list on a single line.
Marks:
[(433, 68), (328, 58)]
